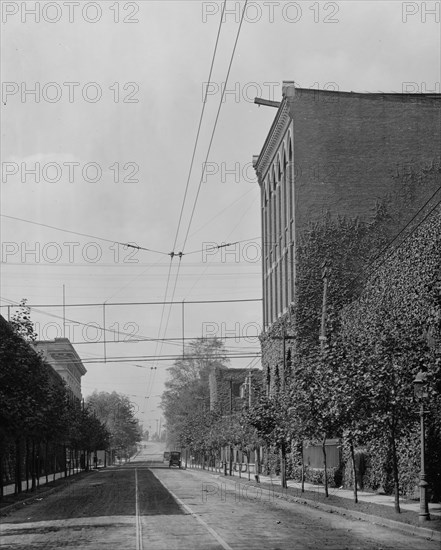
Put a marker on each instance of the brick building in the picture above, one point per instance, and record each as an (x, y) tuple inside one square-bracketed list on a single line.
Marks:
[(335, 152), (229, 388)]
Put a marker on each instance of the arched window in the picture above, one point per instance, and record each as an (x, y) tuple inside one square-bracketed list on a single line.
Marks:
[(276, 379), (288, 365), (290, 182)]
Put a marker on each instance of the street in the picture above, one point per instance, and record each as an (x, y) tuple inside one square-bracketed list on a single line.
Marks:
[(144, 504)]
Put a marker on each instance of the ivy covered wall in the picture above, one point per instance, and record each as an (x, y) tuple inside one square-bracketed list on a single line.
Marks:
[(383, 325)]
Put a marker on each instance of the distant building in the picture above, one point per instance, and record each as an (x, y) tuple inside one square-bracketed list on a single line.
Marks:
[(229, 388), (63, 358)]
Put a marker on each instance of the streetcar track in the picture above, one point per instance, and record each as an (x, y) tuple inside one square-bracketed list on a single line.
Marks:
[(187, 508), (138, 517)]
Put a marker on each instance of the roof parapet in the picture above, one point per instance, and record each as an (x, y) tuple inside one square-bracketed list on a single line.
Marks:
[(288, 88)]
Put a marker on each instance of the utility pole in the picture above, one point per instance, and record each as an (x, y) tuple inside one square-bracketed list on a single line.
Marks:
[(64, 311), (104, 332), (231, 423), (183, 330), (325, 276), (231, 399), (284, 337), (284, 359)]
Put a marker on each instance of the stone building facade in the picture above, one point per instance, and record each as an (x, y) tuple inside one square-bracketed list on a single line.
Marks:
[(337, 153), (63, 358)]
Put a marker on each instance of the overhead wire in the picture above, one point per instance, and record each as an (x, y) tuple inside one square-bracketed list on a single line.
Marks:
[(221, 212), (215, 125), (189, 175), (128, 245), (208, 151), (195, 202), (152, 358), (223, 245), (125, 244), (162, 315), (95, 326), (100, 304), (200, 123), (218, 247)]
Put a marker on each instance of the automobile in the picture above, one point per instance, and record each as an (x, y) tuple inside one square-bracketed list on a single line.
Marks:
[(175, 459), (166, 456)]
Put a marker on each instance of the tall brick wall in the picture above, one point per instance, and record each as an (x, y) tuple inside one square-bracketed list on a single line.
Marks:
[(350, 151), (271, 343), (220, 387), (348, 148)]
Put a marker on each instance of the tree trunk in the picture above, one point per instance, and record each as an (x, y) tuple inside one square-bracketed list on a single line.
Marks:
[(18, 486), (1, 471), (283, 467), (248, 463), (325, 465), (46, 460), (33, 476), (396, 477), (231, 460), (39, 464), (354, 469), (303, 467), (27, 469)]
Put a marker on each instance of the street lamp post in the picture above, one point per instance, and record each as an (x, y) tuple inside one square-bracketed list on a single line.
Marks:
[(421, 394)]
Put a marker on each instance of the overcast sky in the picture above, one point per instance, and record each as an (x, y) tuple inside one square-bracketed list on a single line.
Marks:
[(110, 131)]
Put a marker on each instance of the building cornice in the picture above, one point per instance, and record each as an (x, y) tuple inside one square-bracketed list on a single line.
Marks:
[(291, 94), (61, 348), (277, 131)]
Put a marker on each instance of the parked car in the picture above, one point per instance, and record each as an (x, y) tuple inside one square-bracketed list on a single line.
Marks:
[(175, 459)]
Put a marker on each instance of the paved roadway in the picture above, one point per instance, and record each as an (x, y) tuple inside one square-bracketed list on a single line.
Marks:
[(145, 505)]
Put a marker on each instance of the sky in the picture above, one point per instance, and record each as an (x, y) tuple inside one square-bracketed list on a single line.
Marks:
[(101, 103)]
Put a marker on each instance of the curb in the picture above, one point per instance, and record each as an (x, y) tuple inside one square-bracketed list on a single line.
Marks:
[(406, 528), (4, 510)]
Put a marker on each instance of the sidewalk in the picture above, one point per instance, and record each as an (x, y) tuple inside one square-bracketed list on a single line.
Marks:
[(10, 489), (373, 508), (363, 496)]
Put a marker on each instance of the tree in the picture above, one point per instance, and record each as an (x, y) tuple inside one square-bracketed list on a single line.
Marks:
[(21, 322), (33, 400), (116, 412), (187, 389), (272, 420)]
